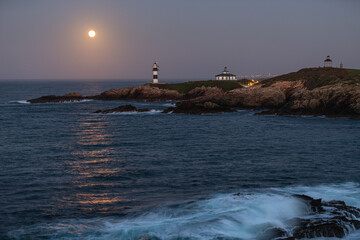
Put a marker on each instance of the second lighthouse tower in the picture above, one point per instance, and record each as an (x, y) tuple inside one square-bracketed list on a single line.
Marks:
[(155, 73)]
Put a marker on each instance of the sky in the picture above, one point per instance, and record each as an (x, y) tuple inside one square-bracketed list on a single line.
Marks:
[(190, 39)]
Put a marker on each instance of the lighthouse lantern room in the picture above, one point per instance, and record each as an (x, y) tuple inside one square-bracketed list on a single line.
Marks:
[(155, 73)]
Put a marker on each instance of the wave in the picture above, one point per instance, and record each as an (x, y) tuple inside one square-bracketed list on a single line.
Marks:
[(20, 102), (169, 105), (26, 102), (77, 101), (152, 111), (244, 215)]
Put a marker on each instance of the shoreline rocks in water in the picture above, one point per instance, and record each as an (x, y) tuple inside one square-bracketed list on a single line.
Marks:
[(325, 219), (188, 107), (123, 108), (330, 92), (70, 97), (141, 93)]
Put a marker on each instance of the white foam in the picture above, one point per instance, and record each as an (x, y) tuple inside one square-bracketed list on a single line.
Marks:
[(169, 104), (347, 192), (20, 101), (152, 111), (241, 217), (77, 101), (227, 216)]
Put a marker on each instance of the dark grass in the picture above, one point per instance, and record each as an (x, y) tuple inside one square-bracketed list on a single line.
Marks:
[(353, 71), (318, 77)]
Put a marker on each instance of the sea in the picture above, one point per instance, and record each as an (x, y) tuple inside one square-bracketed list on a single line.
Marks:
[(69, 173)]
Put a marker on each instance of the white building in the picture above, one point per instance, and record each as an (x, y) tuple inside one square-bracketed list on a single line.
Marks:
[(225, 75), (328, 62)]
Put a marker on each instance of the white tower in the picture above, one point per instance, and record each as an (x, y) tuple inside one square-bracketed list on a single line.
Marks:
[(155, 73)]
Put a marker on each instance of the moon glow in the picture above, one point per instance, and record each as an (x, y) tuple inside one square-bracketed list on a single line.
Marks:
[(92, 33)]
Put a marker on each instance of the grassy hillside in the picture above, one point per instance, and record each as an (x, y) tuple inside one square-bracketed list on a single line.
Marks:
[(353, 71), (318, 77), (188, 86)]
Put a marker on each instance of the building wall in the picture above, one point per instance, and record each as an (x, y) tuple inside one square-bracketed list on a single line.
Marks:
[(327, 64), (225, 78)]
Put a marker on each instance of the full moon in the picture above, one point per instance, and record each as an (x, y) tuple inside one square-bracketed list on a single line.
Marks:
[(92, 33)]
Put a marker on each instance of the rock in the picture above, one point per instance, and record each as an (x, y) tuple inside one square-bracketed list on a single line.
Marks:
[(337, 100), (315, 91), (73, 94), (140, 93), (123, 108), (189, 107), (272, 233), (70, 97), (316, 205), (249, 98), (203, 93), (329, 92), (325, 219)]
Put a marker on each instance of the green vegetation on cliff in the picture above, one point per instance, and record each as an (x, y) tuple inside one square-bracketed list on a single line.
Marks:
[(318, 77), (188, 86), (353, 71)]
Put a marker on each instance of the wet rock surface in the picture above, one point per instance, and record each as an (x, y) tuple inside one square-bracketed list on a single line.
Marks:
[(70, 97), (189, 107), (123, 108), (324, 219), (141, 93)]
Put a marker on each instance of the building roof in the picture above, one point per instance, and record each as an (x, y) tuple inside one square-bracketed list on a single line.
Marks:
[(225, 73), (328, 59)]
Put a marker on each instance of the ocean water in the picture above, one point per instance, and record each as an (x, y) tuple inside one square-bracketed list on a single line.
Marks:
[(67, 173)]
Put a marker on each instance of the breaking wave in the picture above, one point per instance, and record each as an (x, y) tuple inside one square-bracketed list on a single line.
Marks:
[(244, 215), (20, 102), (169, 105), (152, 111), (78, 101), (75, 101)]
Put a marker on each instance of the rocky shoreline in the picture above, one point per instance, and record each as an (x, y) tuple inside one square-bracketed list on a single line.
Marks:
[(124, 108), (314, 91), (324, 219)]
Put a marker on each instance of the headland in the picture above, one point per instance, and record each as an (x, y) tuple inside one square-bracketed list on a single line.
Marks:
[(332, 92)]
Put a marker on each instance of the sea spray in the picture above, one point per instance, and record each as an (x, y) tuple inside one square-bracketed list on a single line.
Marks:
[(243, 215)]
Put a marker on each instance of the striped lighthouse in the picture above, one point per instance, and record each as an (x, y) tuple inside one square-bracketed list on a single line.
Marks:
[(155, 73)]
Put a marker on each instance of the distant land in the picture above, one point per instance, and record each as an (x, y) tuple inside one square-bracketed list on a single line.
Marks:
[(332, 92)]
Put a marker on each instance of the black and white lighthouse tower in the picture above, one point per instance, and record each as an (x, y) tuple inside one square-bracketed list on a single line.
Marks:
[(155, 73)]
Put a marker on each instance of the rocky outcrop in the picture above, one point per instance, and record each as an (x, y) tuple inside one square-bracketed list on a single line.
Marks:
[(203, 92), (257, 97), (340, 100), (324, 219), (70, 97), (289, 98), (189, 107), (73, 94), (316, 91), (123, 108), (140, 93)]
